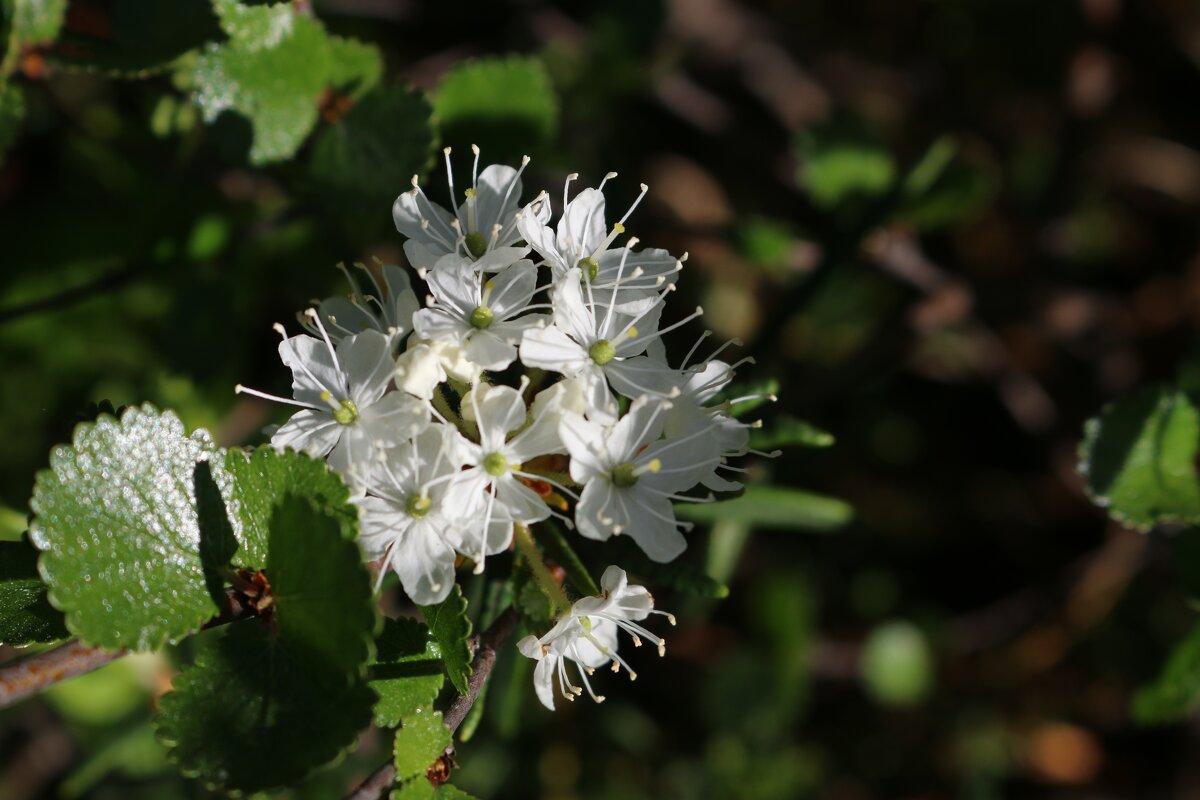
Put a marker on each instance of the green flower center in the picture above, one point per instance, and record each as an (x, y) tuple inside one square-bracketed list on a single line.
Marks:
[(590, 268), (495, 464), (418, 506), (602, 352), (482, 317), (346, 413), (476, 244), (624, 475)]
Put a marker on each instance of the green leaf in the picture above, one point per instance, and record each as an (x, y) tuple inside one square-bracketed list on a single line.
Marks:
[(1139, 458), (450, 626), (407, 673), (34, 22), (422, 738), (789, 431), (354, 66), (507, 106), (119, 533), (930, 167), (259, 479), (896, 664), (959, 193), (1174, 693), (26, 616), (252, 715), (774, 507), (12, 111), (267, 700), (141, 39), (420, 788), (217, 540), (385, 139), (325, 608), (841, 162)]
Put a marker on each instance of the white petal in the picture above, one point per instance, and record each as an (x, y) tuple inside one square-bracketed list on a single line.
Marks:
[(313, 370), (543, 680), (441, 323), (401, 301), (498, 258), (367, 361), (512, 289), (658, 538), (408, 211), (595, 504), (314, 432), (395, 418), (489, 351), (581, 229), (521, 502), (584, 441), (500, 410), (635, 377), (571, 314), (425, 564), (498, 195), (419, 370), (422, 255), (551, 349)]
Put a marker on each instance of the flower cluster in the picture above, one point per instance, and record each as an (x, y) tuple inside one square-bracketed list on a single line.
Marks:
[(537, 347)]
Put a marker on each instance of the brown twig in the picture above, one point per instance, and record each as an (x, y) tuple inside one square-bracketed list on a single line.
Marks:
[(381, 780), (31, 675)]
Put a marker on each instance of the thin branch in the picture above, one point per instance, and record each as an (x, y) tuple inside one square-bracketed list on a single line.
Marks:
[(112, 280), (31, 675), (381, 780)]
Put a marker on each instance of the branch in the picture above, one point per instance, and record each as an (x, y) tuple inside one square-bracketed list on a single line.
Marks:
[(111, 280), (31, 675), (381, 780)]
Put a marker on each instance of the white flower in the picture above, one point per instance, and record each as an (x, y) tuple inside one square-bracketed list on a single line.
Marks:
[(389, 310), (582, 243), (587, 635), (480, 314), (490, 485), (428, 363), (482, 228), (405, 518), (600, 345), (347, 412), (630, 477)]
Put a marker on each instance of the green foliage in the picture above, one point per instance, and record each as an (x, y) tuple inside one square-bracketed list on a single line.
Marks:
[(12, 111), (507, 106), (119, 531), (451, 628), (1139, 458), (421, 739), (25, 614), (945, 188), (421, 789), (1174, 693), (368, 156), (33, 22), (774, 507), (407, 672), (788, 432), (258, 480), (143, 38), (273, 70), (842, 162), (556, 547), (269, 699), (896, 664)]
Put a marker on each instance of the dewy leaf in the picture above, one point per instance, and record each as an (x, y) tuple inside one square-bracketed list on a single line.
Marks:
[(269, 699), (1175, 692), (251, 715), (119, 533), (25, 614), (259, 479), (217, 540), (1139, 458), (505, 105), (12, 111), (450, 626), (274, 70), (407, 673), (34, 22), (383, 141), (420, 741), (774, 507)]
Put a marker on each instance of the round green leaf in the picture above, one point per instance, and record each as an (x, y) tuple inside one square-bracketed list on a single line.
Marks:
[(118, 530), (407, 673), (364, 159), (270, 699), (507, 106), (1139, 458)]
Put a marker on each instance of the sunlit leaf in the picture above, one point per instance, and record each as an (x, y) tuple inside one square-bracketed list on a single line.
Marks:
[(421, 739), (450, 626), (1174, 693), (774, 507), (407, 673), (506, 105)]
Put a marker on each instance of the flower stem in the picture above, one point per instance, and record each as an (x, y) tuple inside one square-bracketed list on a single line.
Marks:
[(525, 544)]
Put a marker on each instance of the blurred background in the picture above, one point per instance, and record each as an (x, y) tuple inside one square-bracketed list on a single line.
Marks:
[(951, 229)]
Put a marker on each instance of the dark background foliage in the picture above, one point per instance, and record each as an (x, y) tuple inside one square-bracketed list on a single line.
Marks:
[(977, 632)]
